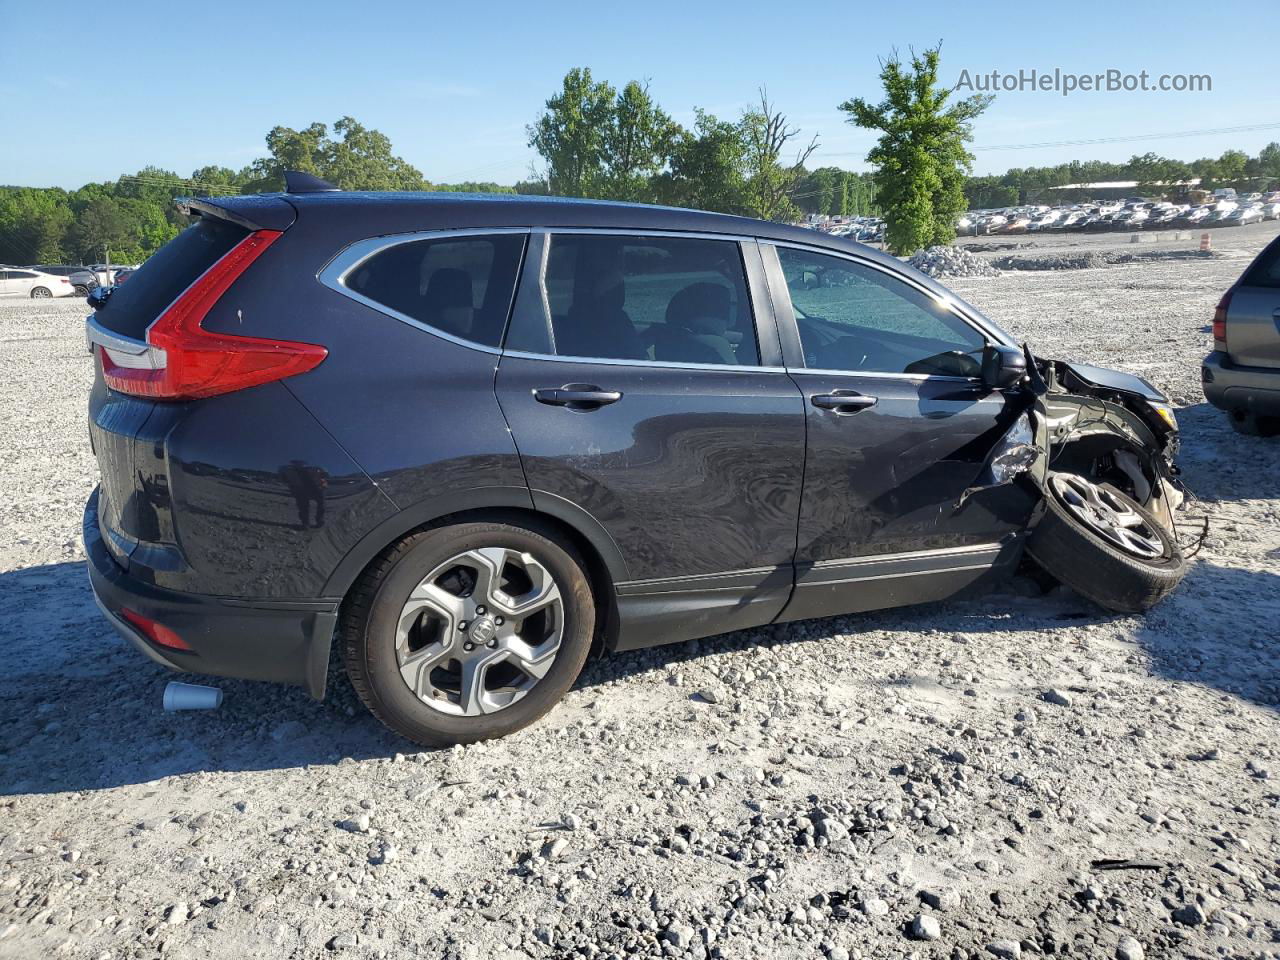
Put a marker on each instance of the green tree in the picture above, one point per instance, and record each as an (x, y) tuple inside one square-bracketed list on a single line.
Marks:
[(570, 135), (636, 145), (707, 167), (33, 225), (356, 157), (765, 134), (103, 225), (920, 160)]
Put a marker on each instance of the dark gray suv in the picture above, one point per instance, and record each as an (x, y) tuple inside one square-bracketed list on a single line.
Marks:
[(466, 439)]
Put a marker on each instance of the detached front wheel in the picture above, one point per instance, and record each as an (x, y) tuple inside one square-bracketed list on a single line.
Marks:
[(1105, 546)]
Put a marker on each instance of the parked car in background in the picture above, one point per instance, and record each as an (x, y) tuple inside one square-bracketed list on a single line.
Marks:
[(1243, 216), (1242, 374), (1130, 219), (649, 425), (82, 278), (25, 282), (107, 275), (1194, 217), (121, 276)]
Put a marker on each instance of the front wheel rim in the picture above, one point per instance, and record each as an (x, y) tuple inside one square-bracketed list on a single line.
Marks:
[(1107, 516), (480, 631)]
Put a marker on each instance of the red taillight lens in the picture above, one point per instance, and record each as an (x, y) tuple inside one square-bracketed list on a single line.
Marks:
[(157, 633), (1220, 322), (185, 362)]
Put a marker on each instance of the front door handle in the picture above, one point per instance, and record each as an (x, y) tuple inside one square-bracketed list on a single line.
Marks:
[(577, 396), (843, 402)]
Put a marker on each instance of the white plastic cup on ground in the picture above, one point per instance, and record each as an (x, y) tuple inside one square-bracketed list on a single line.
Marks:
[(191, 696)]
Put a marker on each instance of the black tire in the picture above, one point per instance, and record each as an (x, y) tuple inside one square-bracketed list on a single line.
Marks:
[(41, 293), (1113, 579), (1251, 424), (370, 612), (81, 290)]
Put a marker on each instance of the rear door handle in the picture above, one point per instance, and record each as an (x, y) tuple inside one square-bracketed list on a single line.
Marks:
[(843, 402), (577, 396)]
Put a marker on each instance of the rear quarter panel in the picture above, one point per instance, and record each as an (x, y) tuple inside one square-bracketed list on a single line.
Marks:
[(417, 412)]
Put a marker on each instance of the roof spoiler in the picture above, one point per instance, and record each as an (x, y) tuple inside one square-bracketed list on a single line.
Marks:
[(295, 181), (254, 211)]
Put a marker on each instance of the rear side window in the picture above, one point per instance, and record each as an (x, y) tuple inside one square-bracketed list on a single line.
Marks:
[(1265, 271), (168, 272), (461, 286), (661, 299)]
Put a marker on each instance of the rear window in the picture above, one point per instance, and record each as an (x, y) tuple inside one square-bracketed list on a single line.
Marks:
[(462, 286), (1265, 271), (161, 280)]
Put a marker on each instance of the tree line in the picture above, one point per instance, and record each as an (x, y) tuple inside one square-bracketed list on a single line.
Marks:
[(595, 140)]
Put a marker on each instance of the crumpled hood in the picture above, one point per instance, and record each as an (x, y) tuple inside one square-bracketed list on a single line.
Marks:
[(1114, 380)]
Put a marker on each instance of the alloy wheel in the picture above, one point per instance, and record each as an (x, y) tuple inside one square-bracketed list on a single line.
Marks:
[(479, 631), (1108, 516)]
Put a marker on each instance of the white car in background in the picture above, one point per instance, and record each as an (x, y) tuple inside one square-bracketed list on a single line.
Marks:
[(21, 282)]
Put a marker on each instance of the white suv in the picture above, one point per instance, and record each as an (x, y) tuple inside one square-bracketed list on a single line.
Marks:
[(20, 282)]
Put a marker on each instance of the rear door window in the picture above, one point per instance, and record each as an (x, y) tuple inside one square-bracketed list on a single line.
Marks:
[(644, 298), (462, 286), (1265, 271), (166, 274)]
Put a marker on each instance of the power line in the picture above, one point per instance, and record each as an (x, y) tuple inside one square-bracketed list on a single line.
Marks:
[(1133, 138), (1246, 128)]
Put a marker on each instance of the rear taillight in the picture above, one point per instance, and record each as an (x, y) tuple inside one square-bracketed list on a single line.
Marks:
[(156, 632), (1220, 323), (183, 361)]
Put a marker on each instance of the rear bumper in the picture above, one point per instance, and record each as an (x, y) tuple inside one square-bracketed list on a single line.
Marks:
[(284, 641), (1232, 387)]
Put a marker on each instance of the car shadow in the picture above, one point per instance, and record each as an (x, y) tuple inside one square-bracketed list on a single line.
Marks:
[(1221, 465), (81, 708)]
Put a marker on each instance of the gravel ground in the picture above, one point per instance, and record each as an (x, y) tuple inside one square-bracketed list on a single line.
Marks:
[(1015, 775)]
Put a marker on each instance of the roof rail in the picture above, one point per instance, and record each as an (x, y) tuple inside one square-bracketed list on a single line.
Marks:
[(295, 181)]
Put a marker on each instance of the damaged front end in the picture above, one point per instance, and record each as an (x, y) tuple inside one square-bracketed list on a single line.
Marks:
[(1112, 428), (1098, 446)]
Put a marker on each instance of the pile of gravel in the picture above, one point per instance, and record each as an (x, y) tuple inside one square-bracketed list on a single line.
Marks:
[(1089, 261), (951, 262)]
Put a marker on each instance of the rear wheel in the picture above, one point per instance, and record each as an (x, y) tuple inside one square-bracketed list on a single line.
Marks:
[(467, 632), (1251, 424), (81, 290), (39, 293), (1104, 545)]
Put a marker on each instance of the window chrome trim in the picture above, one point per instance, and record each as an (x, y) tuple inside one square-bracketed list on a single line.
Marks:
[(993, 334), (334, 274), (919, 377), (662, 364)]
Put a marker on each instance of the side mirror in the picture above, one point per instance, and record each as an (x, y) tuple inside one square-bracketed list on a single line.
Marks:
[(1003, 366)]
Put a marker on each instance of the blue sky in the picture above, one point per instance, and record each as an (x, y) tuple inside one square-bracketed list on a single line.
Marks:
[(454, 85)]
